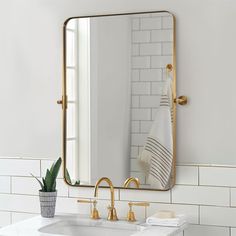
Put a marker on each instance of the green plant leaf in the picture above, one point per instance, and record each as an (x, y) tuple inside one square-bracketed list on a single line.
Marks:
[(49, 181), (51, 169), (68, 177), (41, 184), (54, 186), (44, 183), (55, 168)]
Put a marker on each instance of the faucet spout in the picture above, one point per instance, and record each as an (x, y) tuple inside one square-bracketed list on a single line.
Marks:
[(130, 180), (112, 211)]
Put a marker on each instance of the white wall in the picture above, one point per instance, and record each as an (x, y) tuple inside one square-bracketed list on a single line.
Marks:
[(30, 80)]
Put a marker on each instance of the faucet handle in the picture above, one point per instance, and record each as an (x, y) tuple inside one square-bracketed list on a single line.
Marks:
[(131, 215), (94, 212), (112, 215)]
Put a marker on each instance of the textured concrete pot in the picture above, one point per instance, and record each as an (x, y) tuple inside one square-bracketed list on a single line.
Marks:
[(48, 203)]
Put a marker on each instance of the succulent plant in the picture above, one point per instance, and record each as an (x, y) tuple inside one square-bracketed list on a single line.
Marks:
[(48, 183)]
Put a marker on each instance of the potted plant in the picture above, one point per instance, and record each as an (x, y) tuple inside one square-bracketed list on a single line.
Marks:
[(48, 192)]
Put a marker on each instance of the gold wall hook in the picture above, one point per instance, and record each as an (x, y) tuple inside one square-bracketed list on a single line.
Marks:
[(181, 100), (169, 67)]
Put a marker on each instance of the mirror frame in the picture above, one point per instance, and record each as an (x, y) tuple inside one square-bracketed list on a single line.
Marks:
[(63, 101)]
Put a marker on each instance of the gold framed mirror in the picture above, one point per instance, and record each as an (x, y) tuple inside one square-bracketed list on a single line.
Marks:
[(119, 100)]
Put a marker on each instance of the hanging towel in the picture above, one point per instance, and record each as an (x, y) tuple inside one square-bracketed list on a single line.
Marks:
[(156, 159)]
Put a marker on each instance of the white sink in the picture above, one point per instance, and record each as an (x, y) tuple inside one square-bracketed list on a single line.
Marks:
[(87, 227), (81, 225)]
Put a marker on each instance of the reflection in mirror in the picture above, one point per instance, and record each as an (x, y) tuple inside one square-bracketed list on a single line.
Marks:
[(120, 118)]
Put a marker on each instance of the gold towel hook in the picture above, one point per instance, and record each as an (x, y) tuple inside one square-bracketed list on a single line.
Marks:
[(181, 100), (169, 67)]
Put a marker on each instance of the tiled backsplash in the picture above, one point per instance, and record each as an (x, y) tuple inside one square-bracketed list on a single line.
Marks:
[(152, 41), (206, 194)]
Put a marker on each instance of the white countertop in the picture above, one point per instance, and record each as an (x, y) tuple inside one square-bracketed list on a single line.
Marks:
[(30, 227)]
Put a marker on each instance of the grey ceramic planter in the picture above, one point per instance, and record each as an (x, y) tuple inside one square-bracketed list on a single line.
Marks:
[(47, 203)]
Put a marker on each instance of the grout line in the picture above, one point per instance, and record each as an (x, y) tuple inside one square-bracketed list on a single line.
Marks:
[(139, 74), (11, 217), (198, 175), (25, 159), (25, 212), (161, 22), (199, 212), (11, 184), (207, 165), (19, 176), (220, 186), (139, 19), (139, 49)]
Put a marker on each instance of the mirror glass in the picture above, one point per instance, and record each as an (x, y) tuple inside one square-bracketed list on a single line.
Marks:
[(120, 116)]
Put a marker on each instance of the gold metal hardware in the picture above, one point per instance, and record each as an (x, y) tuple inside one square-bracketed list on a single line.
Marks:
[(64, 92), (181, 100), (131, 215), (94, 212), (169, 67), (63, 102), (112, 216), (144, 204), (130, 180)]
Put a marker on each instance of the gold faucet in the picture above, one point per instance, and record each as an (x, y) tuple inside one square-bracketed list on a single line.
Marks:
[(130, 180), (112, 216)]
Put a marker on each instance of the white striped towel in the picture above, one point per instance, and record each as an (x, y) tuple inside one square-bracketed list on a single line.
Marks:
[(156, 159)]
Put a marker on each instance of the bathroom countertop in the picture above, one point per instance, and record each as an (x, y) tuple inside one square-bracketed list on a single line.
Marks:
[(31, 227)]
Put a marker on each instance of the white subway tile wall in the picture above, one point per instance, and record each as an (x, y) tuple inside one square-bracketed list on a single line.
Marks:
[(5, 184), (210, 208), (217, 176), (233, 232), (152, 38), (187, 175), (196, 230), (5, 218), (215, 196), (19, 167)]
